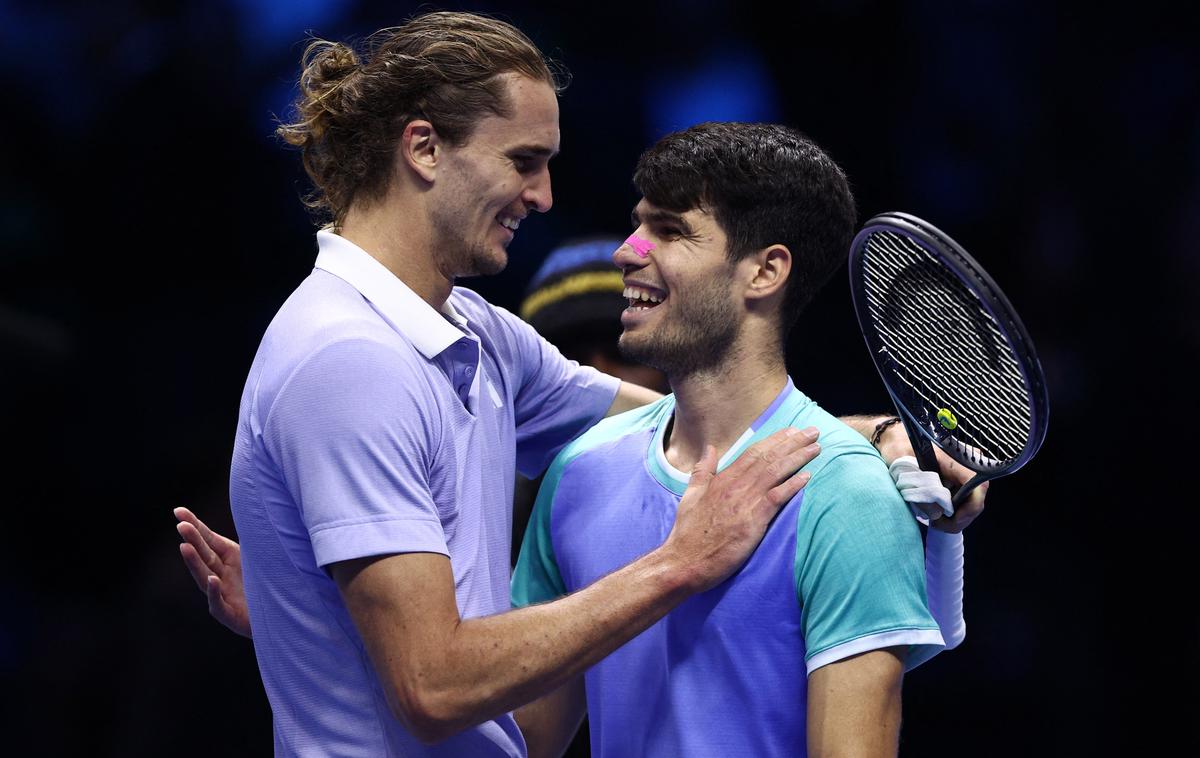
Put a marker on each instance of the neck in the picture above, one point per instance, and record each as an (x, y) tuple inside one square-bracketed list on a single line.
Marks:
[(715, 407), (396, 234)]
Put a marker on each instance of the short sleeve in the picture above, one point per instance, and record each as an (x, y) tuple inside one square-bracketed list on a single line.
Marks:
[(536, 577), (354, 437), (860, 566), (556, 399)]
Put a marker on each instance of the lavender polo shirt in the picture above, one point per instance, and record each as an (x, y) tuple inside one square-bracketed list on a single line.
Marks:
[(372, 424)]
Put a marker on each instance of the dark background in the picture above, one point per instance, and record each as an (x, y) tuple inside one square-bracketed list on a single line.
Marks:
[(150, 227)]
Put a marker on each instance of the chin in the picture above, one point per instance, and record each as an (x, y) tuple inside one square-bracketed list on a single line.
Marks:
[(493, 266), (488, 263)]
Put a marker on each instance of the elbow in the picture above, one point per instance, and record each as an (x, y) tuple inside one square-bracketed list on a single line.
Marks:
[(427, 715)]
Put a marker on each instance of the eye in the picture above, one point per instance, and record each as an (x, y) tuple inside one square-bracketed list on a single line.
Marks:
[(524, 163)]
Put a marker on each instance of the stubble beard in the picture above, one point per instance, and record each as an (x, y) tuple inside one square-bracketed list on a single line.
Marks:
[(699, 338), (461, 257)]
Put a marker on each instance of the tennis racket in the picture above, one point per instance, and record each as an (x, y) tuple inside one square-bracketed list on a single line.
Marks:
[(955, 358)]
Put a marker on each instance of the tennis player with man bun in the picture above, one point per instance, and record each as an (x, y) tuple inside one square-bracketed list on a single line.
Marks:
[(386, 410)]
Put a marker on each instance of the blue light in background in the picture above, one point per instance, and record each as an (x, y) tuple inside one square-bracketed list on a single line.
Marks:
[(729, 85), (267, 25)]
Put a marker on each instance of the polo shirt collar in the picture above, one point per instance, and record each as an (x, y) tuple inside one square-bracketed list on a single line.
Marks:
[(427, 329)]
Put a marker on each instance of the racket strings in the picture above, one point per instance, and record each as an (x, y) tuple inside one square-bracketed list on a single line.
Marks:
[(947, 349)]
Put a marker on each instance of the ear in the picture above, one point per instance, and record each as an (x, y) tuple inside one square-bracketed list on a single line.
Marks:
[(420, 149), (770, 268)]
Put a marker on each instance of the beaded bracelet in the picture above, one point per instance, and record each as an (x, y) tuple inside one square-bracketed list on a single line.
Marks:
[(880, 427)]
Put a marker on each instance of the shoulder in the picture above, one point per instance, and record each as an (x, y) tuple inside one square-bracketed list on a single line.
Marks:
[(848, 470), (481, 313), (325, 311), (327, 347), (605, 438)]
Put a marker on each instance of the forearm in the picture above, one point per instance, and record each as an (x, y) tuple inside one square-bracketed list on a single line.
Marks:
[(864, 425), (455, 674), (441, 673), (497, 663), (630, 396)]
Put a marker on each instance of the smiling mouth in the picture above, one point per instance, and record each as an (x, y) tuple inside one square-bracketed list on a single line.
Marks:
[(643, 298)]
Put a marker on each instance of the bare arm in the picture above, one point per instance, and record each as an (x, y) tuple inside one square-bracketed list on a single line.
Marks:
[(442, 674), (550, 723), (630, 396), (854, 706)]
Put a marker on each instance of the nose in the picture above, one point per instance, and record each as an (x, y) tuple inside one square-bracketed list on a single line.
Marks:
[(627, 258), (537, 195)]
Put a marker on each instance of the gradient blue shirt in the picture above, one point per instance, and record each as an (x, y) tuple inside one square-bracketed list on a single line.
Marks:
[(840, 571), (372, 424)]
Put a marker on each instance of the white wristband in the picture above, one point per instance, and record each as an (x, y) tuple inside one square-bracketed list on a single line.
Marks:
[(917, 486)]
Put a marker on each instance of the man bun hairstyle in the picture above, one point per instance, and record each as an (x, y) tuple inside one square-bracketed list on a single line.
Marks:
[(353, 104)]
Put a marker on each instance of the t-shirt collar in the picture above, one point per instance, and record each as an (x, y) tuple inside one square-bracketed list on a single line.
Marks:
[(427, 329)]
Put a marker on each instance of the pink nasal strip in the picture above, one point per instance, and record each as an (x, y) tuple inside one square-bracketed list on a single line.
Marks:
[(640, 246)]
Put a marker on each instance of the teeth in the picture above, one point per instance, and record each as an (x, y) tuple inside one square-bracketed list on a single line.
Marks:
[(639, 294), (509, 223)]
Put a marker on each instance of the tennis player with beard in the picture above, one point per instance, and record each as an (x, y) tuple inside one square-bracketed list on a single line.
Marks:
[(387, 408), (806, 644)]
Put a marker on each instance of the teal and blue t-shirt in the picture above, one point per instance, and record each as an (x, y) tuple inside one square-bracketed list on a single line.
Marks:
[(839, 572)]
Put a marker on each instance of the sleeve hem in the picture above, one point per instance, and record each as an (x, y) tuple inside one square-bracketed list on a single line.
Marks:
[(344, 542), (924, 639)]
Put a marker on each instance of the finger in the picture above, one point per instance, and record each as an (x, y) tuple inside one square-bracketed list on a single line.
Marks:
[(973, 506), (775, 447), (217, 606), (185, 516), (966, 512), (932, 511), (787, 467), (196, 540), (705, 468), (195, 566), (215, 541), (781, 494)]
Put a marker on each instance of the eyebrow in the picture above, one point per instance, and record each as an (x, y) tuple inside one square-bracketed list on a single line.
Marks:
[(534, 150), (660, 216)]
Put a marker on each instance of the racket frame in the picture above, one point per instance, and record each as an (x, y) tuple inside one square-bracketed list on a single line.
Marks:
[(950, 254)]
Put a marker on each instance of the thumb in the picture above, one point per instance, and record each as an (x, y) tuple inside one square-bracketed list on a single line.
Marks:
[(705, 468)]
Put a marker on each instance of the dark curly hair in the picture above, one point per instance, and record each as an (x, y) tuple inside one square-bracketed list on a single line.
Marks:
[(765, 184), (353, 106)]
